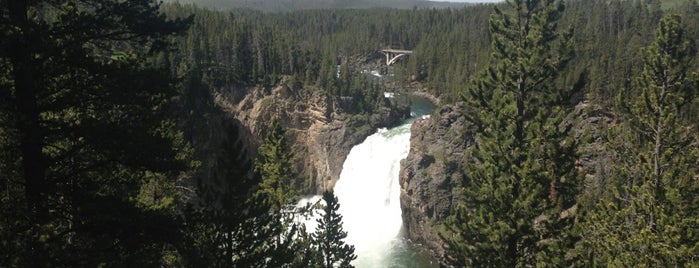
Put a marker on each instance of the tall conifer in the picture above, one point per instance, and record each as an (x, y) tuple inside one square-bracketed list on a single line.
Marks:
[(328, 237), (89, 121), (521, 175), (275, 167), (651, 218), (287, 239)]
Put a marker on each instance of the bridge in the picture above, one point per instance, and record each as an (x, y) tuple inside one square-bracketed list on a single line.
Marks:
[(392, 55)]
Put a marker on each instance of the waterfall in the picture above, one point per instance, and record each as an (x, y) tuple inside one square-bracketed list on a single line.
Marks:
[(368, 192), (369, 195)]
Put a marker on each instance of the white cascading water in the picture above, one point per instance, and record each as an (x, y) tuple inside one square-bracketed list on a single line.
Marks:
[(369, 195), (368, 191)]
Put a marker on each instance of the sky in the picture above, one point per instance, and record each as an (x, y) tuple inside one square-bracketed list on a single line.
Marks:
[(471, 1)]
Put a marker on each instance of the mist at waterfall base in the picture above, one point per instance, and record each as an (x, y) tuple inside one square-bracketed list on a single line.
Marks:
[(368, 192)]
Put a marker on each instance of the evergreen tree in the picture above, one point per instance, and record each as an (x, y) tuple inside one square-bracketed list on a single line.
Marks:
[(521, 182), (225, 226), (277, 193), (328, 237), (651, 218), (275, 167), (91, 126), (238, 220)]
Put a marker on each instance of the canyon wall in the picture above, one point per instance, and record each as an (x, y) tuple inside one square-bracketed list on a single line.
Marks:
[(432, 174), (320, 132)]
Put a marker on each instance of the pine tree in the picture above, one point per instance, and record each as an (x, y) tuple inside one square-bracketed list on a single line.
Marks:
[(651, 218), (239, 221), (91, 123), (521, 182), (329, 235), (277, 194), (275, 167), (225, 226)]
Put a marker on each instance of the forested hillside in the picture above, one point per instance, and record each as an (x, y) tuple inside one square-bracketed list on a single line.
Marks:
[(450, 46), (115, 151), (295, 5)]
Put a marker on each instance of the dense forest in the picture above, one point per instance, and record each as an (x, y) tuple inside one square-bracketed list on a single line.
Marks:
[(450, 45), (100, 163), (294, 5)]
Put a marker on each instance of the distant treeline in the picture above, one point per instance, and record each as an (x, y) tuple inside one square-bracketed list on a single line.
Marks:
[(295, 5), (450, 45)]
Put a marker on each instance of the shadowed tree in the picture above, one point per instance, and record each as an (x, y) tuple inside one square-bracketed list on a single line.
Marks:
[(90, 126), (329, 235)]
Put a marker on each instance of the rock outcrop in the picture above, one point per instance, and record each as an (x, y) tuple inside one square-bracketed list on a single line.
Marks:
[(590, 121), (320, 133), (430, 176)]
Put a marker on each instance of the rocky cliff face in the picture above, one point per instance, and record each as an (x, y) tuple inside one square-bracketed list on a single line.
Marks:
[(430, 176), (321, 134)]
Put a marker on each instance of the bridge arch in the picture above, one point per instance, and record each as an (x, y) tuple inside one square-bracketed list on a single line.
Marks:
[(393, 55)]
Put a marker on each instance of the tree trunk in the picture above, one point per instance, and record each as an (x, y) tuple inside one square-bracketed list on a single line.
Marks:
[(512, 252), (25, 82)]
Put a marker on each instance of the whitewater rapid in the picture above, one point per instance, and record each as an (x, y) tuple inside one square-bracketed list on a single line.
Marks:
[(368, 192), (369, 195)]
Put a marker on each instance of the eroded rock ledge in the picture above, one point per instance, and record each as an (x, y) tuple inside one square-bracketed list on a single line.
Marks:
[(430, 176), (320, 132)]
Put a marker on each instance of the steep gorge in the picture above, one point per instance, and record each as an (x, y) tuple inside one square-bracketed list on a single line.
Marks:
[(430, 176), (320, 131)]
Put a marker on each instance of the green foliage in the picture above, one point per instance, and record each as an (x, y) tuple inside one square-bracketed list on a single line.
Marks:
[(89, 124), (235, 220), (286, 6), (267, 101), (522, 175), (94, 131), (329, 235), (650, 218), (233, 51), (275, 168), (451, 46)]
